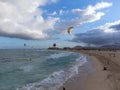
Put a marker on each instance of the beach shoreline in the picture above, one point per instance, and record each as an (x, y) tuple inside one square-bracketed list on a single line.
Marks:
[(97, 80), (76, 82), (106, 75)]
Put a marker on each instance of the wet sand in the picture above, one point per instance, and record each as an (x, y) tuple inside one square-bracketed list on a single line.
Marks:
[(106, 75)]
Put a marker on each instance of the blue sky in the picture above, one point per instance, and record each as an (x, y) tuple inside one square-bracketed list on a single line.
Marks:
[(40, 23)]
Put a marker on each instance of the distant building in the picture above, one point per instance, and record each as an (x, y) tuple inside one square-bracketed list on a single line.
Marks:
[(67, 48)]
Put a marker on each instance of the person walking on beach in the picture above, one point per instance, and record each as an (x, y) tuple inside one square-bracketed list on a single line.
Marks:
[(64, 88)]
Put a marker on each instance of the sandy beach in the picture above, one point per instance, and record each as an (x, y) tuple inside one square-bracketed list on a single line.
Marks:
[(106, 75)]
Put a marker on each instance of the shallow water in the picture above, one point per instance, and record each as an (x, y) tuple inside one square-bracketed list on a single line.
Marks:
[(37, 69)]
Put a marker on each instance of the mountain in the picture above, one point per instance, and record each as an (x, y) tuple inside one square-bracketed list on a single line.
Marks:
[(77, 47), (110, 46)]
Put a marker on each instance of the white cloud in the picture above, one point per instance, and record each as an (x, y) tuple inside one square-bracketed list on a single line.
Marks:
[(102, 5), (62, 12), (23, 19), (53, 13), (90, 14), (111, 27), (87, 15)]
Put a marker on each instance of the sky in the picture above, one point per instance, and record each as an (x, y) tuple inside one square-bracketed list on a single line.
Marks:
[(40, 23)]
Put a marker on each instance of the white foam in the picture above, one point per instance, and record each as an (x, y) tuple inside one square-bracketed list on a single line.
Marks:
[(26, 68), (74, 70), (58, 55), (55, 80)]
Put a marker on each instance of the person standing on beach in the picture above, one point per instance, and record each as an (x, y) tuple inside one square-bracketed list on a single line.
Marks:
[(64, 88)]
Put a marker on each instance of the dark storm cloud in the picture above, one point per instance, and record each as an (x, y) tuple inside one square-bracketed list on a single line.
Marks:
[(18, 35), (100, 36), (116, 27)]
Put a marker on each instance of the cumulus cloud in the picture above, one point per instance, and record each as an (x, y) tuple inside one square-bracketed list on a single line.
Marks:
[(24, 19), (91, 13), (111, 27), (87, 15), (102, 35)]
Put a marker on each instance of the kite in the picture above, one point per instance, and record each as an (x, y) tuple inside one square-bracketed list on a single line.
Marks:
[(69, 29)]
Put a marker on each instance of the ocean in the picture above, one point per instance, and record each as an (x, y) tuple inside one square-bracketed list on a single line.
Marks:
[(38, 69)]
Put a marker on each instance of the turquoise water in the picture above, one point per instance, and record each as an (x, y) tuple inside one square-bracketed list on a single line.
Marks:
[(37, 69)]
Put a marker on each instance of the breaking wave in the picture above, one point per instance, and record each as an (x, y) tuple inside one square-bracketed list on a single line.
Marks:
[(55, 80)]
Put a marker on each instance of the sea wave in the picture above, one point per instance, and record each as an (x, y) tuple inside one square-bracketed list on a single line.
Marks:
[(55, 80), (26, 68), (59, 55)]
